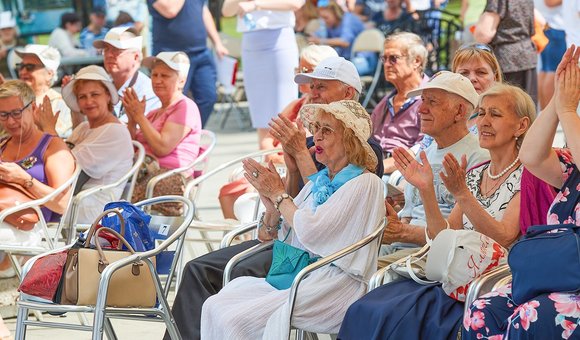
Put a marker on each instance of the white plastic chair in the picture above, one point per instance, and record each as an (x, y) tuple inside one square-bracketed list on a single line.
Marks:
[(376, 236), (102, 313), (370, 40)]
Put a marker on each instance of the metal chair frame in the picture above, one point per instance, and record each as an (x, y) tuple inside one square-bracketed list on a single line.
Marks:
[(370, 40), (376, 235), (102, 313)]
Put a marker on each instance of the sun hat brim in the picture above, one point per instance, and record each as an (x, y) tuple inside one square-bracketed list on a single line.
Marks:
[(70, 98)]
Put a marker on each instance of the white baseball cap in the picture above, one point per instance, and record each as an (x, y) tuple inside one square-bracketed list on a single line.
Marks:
[(49, 56), (451, 82), (92, 72), (7, 20), (177, 61), (333, 68), (116, 38)]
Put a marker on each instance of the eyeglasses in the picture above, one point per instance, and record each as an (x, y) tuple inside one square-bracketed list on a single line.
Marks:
[(302, 69), (483, 47), (314, 127), (16, 114), (392, 59), (29, 67), (115, 52)]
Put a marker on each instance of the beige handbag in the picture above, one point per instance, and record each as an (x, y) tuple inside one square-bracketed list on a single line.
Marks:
[(130, 286)]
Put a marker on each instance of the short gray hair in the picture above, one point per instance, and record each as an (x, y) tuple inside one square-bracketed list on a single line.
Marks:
[(314, 54), (414, 45), (17, 88)]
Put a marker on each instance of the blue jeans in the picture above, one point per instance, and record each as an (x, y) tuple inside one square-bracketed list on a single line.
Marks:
[(201, 82)]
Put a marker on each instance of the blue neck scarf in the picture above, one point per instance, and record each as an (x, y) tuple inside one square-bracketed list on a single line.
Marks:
[(323, 187)]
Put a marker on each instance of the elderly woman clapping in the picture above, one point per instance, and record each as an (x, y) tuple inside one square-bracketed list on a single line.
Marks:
[(39, 69), (338, 206), (170, 134)]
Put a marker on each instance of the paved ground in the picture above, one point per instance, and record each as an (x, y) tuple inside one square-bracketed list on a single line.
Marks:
[(232, 141)]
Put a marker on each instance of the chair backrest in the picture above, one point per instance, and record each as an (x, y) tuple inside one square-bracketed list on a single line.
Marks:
[(370, 40), (233, 44), (133, 173), (199, 165)]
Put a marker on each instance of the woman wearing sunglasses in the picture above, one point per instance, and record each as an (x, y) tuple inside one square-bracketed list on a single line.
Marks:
[(32, 162), (38, 69)]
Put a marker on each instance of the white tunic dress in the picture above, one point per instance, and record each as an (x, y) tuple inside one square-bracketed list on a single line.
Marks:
[(250, 308)]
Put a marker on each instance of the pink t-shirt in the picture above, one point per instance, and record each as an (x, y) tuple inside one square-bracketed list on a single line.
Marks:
[(184, 112)]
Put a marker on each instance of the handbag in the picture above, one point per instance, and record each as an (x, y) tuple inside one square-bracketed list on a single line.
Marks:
[(545, 260), (10, 197), (457, 257), (287, 262), (136, 222), (44, 276), (130, 286)]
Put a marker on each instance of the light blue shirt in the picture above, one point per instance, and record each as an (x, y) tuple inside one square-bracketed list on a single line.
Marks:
[(142, 87)]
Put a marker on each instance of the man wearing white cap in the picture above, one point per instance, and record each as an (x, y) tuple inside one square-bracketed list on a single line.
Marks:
[(122, 54), (447, 101), (38, 69)]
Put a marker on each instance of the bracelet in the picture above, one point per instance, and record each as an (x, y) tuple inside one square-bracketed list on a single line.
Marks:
[(269, 229), (29, 183), (279, 200)]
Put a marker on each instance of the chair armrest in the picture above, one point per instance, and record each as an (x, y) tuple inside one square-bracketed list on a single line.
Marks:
[(375, 235), (242, 256), (486, 283), (229, 237), (378, 277)]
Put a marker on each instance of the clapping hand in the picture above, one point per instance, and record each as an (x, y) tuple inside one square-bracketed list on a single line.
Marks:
[(454, 179), (567, 91), (417, 174), (266, 180), (44, 118), (134, 107)]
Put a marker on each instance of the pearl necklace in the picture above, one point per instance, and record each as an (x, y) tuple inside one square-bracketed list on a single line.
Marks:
[(503, 172)]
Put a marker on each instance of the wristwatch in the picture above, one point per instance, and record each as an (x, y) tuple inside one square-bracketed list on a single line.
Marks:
[(28, 183), (279, 200)]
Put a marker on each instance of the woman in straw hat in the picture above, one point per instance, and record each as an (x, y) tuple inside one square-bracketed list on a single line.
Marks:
[(339, 206)]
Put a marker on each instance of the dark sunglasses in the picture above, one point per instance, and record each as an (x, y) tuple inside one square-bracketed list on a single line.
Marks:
[(16, 114), (392, 59), (28, 67)]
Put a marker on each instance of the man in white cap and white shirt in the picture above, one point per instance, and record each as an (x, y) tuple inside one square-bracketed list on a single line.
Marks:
[(39, 69), (122, 59), (447, 101)]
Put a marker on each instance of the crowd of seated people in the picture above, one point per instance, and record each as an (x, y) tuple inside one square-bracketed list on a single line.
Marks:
[(455, 137)]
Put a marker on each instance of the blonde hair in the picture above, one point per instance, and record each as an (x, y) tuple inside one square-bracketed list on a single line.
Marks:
[(335, 9), (521, 102), (412, 45), (17, 88), (471, 52), (81, 82)]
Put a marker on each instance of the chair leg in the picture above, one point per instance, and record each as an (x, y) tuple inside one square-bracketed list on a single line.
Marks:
[(170, 323), (22, 316), (299, 334), (83, 319), (109, 330)]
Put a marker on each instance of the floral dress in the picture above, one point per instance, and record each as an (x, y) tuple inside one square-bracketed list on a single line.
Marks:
[(548, 316)]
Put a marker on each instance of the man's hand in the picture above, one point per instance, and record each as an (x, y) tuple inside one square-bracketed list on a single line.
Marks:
[(395, 228)]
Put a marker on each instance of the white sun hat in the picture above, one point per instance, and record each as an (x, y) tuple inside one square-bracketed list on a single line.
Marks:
[(451, 82), (333, 68), (49, 56), (351, 114), (119, 37), (92, 72), (7, 20), (177, 61)]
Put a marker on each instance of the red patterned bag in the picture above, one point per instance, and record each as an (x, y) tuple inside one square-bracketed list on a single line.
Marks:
[(44, 276)]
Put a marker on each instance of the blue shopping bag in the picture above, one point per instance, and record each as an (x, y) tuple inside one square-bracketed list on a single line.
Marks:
[(136, 225)]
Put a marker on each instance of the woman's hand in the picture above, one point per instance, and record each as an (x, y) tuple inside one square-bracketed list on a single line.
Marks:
[(266, 180), (418, 175), (65, 80), (12, 173), (455, 179), (245, 7), (44, 118), (134, 107), (568, 85)]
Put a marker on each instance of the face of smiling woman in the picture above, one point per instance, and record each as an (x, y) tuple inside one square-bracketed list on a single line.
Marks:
[(93, 99), (328, 142)]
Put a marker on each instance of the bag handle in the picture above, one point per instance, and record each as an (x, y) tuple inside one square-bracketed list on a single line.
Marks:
[(91, 231), (103, 263)]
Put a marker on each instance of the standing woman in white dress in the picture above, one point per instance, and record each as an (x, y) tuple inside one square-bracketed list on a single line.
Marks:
[(269, 56)]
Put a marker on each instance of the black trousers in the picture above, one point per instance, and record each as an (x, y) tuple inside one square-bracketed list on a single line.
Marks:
[(526, 80), (202, 278)]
